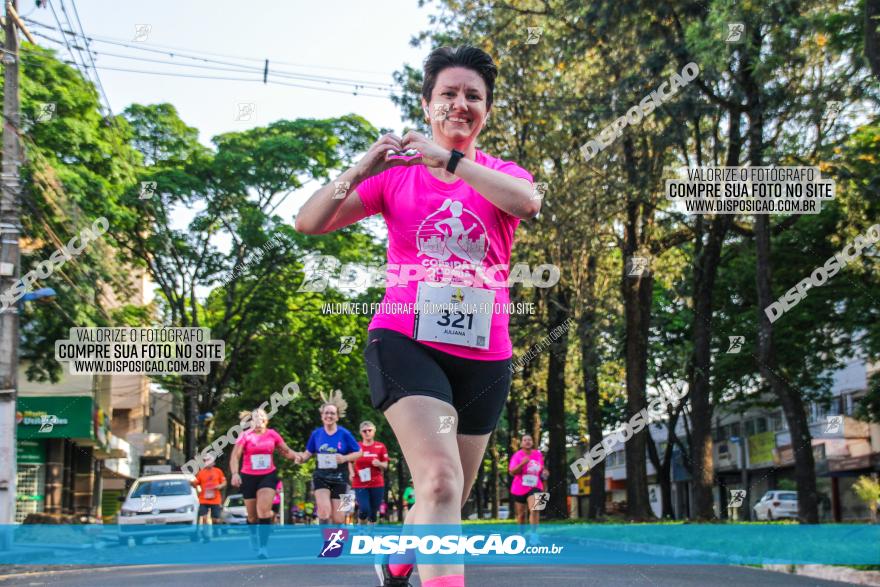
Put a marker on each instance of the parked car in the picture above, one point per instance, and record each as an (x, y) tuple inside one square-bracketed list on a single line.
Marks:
[(777, 505), (233, 512), (159, 505), (503, 513)]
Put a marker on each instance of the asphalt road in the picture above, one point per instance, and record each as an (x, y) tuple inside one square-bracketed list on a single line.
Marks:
[(349, 575)]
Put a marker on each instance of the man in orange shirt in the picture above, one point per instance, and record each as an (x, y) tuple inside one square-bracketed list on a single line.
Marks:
[(209, 481)]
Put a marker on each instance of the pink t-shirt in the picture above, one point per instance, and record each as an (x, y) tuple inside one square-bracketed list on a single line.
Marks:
[(258, 449), (533, 468), (445, 228)]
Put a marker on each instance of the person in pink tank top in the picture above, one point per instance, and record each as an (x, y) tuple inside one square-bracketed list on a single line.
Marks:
[(527, 468), (438, 350)]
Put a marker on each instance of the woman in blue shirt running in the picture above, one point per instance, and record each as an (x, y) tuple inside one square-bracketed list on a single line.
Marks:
[(333, 446)]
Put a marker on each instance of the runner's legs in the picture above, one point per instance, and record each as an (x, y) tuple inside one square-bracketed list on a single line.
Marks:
[(436, 466)]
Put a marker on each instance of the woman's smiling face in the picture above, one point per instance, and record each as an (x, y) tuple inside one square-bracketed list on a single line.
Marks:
[(458, 106)]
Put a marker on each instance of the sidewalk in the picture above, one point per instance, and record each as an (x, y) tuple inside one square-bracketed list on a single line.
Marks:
[(830, 573)]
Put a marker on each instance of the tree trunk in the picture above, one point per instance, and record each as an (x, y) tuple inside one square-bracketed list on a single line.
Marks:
[(557, 461), (191, 415), (791, 400), (637, 308), (872, 35), (587, 329)]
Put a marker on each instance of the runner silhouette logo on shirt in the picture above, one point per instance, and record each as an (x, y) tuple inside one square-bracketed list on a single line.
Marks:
[(453, 232), (334, 540)]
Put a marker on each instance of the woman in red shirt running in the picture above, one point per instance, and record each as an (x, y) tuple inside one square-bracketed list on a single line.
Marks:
[(259, 476), (366, 474), (451, 212)]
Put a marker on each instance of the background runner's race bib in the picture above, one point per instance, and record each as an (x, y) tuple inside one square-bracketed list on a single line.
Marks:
[(326, 460), (260, 462), (209, 494), (463, 318), (364, 474), (530, 480)]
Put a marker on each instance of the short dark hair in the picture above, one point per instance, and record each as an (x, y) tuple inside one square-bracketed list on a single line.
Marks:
[(466, 56)]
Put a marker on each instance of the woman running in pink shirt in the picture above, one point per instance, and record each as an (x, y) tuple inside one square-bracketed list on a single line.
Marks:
[(438, 351), (527, 468)]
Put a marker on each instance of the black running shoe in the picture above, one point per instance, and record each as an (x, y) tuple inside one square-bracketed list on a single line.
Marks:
[(389, 580)]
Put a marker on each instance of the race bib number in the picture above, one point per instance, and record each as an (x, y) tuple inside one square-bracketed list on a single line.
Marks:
[(209, 494), (364, 474), (530, 480), (326, 460), (260, 462), (454, 314)]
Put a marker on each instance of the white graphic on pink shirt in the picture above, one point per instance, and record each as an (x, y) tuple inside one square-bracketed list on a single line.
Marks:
[(443, 234)]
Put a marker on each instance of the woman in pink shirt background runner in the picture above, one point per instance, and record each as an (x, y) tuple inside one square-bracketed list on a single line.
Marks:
[(527, 468), (442, 375), (258, 476)]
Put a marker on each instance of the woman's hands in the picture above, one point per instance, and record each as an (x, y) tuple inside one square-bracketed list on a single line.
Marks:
[(387, 153), (430, 153), (236, 480)]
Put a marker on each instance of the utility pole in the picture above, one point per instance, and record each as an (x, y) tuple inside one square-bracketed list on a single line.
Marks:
[(10, 225)]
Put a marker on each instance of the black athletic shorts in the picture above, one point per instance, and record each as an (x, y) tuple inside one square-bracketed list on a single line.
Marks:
[(251, 483), (336, 486), (398, 366), (524, 498), (213, 508)]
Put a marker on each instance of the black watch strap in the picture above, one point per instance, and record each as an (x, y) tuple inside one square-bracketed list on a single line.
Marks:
[(454, 158)]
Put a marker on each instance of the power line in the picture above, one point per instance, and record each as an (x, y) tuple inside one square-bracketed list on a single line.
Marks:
[(241, 69), (194, 54), (91, 58)]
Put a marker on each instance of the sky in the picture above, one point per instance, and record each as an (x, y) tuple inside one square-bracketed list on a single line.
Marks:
[(353, 40)]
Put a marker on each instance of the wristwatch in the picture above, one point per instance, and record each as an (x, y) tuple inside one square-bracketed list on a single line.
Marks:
[(454, 158)]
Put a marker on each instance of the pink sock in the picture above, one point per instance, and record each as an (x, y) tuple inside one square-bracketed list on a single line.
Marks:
[(399, 570), (445, 581)]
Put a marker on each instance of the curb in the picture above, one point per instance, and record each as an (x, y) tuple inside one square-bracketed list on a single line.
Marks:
[(829, 572)]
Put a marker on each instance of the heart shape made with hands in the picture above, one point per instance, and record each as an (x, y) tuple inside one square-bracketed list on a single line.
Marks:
[(394, 153)]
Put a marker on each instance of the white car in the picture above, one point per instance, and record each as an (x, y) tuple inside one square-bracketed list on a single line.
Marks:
[(777, 505), (159, 505), (233, 512)]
